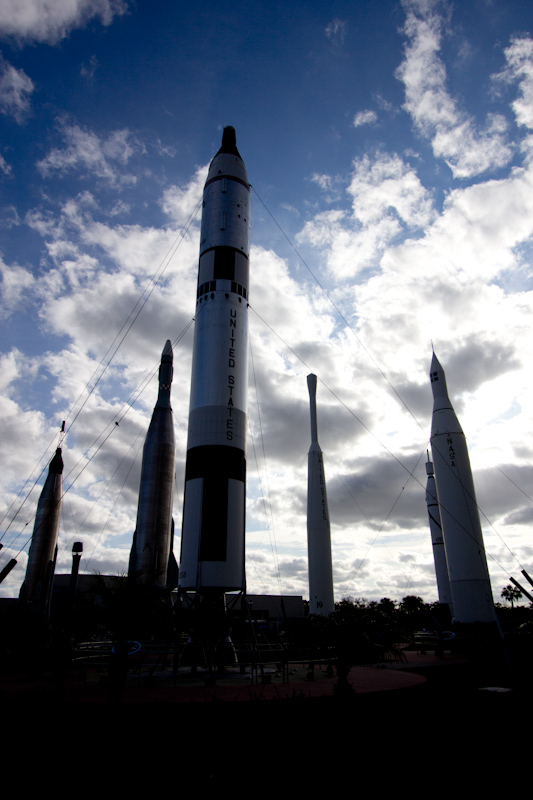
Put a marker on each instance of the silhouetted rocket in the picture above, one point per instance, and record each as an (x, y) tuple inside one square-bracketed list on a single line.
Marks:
[(437, 539), (212, 543), (463, 540), (37, 586), (321, 600), (152, 555)]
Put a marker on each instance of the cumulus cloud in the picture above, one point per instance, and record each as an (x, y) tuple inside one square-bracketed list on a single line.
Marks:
[(15, 91), (15, 284), (388, 200), (53, 20), (178, 202), (519, 57), (93, 156), (367, 117), (467, 149)]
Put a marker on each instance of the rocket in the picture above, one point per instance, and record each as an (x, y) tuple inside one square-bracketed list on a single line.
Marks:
[(461, 527), (437, 540), (152, 555), (213, 532), (37, 586), (321, 599)]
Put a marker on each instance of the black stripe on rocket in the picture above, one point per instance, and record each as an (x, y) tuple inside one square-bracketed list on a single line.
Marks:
[(216, 465), (223, 263)]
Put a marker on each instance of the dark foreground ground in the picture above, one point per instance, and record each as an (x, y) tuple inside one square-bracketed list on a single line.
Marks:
[(428, 724), (421, 678)]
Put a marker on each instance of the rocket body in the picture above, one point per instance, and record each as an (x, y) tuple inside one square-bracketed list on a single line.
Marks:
[(37, 584), (152, 540), (463, 539), (437, 539), (213, 533), (321, 598)]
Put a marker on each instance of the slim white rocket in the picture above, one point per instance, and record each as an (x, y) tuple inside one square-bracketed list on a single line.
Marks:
[(212, 543), (153, 538), (37, 586), (321, 600), (463, 539), (437, 539)]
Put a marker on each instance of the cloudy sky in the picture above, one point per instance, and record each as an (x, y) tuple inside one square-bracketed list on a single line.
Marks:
[(390, 150)]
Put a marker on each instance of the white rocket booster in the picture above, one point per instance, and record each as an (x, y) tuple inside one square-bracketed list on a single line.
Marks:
[(321, 599), (40, 570), (212, 543), (153, 538), (437, 539), (463, 539)]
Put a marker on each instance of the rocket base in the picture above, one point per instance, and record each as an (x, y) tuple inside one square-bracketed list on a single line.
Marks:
[(209, 644)]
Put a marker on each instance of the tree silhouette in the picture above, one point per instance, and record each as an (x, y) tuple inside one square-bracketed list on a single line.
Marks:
[(511, 593)]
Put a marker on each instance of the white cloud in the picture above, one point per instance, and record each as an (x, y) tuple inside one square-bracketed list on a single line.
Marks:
[(454, 136), (519, 57), (96, 157), (336, 31), (15, 283), (386, 183), (178, 202), (53, 20), (15, 91), (4, 166), (387, 200), (367, 117)]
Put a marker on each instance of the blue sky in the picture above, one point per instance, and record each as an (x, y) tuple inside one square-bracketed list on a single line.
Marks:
[(392, 142)]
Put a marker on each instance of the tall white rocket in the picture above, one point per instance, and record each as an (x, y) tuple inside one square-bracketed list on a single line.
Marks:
[(463, 539), (321, 600), (212, 542)]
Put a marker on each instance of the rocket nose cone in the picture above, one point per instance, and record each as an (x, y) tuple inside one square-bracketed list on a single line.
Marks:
[(438, 379), (167, 350), (56, 464), (229, 142)]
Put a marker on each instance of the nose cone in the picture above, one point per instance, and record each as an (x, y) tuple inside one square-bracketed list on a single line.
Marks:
[(228, 162), (438, 384), (229, 142), (167, 355), (166, 374)]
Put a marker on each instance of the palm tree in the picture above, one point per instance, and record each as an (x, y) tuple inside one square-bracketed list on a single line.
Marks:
[(511, 593)]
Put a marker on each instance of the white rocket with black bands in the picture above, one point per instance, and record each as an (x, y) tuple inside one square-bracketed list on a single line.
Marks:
[(321, 599), (212, 543), (463, 539), (151, 552), (37, 586)]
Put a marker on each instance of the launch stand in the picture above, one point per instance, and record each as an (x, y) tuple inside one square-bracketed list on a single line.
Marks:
[(211, 621), (209, 642)]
